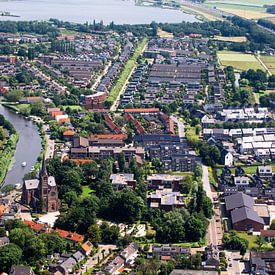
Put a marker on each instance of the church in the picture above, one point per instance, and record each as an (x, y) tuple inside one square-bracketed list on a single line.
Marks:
[(41, 194)]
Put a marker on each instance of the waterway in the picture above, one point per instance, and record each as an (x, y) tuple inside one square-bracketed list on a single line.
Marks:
[(28, 147), (81, 11)]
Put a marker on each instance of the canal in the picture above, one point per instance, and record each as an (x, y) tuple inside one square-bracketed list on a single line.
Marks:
[(28, 146)]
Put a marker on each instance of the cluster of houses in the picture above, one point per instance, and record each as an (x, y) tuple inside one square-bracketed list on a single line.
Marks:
[(256, 115), (174, 73)]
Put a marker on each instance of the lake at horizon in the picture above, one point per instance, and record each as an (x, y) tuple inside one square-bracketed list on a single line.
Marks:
[(81, 11)]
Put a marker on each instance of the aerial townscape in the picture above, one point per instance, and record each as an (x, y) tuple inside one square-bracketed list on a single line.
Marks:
[(137, 137)]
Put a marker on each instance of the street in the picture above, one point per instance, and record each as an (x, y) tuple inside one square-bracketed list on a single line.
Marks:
[(50, 144), (181, 126), (235, 267), (214, 231), (102, 249)]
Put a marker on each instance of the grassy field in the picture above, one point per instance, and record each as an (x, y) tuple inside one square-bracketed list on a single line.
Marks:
[(239, 61), (258, 3), (231, 38), (164, 34), (250, 238), (128, 68), (65, 32), (269, 61), (72, 107), (199, 14), (86, 191), (251, 9)]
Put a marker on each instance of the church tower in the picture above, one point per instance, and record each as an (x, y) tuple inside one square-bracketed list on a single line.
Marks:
[(43, 187)]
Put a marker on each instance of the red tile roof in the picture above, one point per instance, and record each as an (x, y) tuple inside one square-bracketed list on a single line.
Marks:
[(39, 227), (141, 110), (77, 238), (110, 136), (268, 233), (68, 133)]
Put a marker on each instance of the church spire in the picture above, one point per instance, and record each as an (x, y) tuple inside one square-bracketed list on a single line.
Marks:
[(43, 171)]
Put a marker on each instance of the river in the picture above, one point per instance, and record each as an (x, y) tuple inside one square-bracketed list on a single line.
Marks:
[(28, 147), (81, 11)]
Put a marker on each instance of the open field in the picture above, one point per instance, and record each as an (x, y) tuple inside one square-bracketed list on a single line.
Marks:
[(231, 38), (199, 13), (239, 61), (164, 34), (258, 3), (65, 32), (248, 9), (269, 62)]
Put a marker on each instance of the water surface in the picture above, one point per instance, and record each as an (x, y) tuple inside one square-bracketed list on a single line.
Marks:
[(28, 147), (82, 11)]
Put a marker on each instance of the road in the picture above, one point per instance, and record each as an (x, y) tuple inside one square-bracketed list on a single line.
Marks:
[(235, 267), (50, 144), (181, 126), (214, 231), (93, 261), (99, 78)]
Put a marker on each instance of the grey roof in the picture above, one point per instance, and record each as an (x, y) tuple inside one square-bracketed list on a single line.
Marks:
[(31, 184), (68, 264), (78, 256), (20, 270), (238, 200), (244, 213)]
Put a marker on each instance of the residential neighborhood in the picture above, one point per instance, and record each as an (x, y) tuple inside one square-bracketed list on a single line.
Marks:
[(138, 148)]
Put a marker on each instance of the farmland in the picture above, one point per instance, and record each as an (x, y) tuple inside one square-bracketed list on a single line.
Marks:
[(269, 61), (252, 9), (231, 38), (239, 61)]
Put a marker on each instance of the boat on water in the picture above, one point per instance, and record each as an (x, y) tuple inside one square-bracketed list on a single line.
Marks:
[(24, 164)]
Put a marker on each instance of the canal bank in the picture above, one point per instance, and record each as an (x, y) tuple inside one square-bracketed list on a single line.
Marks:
[(28, 147)]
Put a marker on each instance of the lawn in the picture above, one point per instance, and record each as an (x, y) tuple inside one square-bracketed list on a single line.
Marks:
[(72, 107), (128, 68), (182, 173), (86, 191), (269, 61), (250, 238), (231, 38), (239, 61)]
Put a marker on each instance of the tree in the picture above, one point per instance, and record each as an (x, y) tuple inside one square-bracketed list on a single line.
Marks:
[(126, 206), (260, 241), (110, 234), (53, 243), (14, 95), (37, 108), (171, 228), (94, 234), (9, 255), (195, 228), (121, 162), (272, 225)]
